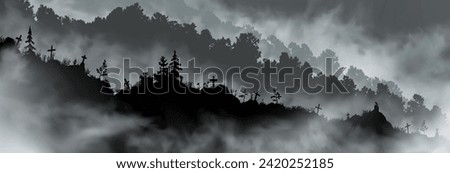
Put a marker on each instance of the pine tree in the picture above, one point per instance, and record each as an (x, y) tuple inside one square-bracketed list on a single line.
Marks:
[(175, 66), (163, 66), (29, 49)]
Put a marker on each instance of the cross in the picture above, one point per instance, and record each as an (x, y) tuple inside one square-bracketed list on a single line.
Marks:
[(127, 84), (276, 97), (256, 95), (84, 57), (318, 108), (51, 50), (348, 115), (213, 81), (19, 39), (407, 127)]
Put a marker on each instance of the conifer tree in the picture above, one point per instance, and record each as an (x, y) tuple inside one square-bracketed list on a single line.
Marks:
[(175, 66), (29, 49), (163, 66)]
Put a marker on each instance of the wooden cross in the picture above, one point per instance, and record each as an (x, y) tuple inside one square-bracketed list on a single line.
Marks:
[(407, 127), (19, 39), (213, 81), (318, 108), (256, 95), (84, 57), (127, 84), (51, 50), (276, 97)]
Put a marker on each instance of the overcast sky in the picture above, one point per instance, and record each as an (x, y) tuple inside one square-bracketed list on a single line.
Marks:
[(406, 41)]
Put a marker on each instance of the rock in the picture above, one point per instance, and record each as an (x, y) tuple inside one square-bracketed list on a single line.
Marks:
[(373, 120)]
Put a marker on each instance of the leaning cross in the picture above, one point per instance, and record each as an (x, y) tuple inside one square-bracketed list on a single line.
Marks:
[(256, 95), (19, 39), (407, 127), (84, 57), (318, 108)]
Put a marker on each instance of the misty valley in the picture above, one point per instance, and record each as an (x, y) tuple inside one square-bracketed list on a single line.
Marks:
[(57, 93)]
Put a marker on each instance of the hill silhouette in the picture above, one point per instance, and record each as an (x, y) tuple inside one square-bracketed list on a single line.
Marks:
[(129, 32), (374, 121), (188, 114), (187, 110)]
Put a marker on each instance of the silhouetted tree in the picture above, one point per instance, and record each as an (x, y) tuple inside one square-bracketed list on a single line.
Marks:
[(163, 66), (29, 49), (175, 66), (246, 49), (102, 70), (415, 105), (382, 89), (349, 84)]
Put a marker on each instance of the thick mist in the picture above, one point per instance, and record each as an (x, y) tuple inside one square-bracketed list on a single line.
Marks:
[(365, 35), (400, 41), (416, 61)]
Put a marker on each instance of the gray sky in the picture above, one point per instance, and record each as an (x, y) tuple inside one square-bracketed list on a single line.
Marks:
[(406, 41)]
